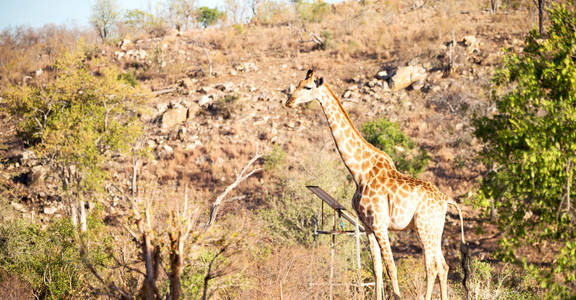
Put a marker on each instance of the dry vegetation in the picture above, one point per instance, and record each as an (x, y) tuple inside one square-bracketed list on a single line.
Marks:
[(261, 246)]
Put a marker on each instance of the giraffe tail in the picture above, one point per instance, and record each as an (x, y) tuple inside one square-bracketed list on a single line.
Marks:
[(464, 250)]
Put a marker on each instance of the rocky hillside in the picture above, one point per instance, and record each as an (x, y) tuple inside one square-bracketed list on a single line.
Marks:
[(216, 99)]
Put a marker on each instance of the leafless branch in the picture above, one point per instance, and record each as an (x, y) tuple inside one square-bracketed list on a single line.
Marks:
[(243, 175)]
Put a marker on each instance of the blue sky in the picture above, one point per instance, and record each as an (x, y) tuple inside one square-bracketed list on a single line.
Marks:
[(37, 13)]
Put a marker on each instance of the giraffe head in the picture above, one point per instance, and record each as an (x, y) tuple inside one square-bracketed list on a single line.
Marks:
[(307, 90)]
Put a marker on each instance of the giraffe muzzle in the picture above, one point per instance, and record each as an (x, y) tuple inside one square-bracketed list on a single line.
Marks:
[(289, 103)]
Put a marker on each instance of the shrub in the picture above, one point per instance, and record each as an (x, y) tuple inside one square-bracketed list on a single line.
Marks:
[(49, 259), (487, 283), (311, 11), (531, 143), (293, 210), (388, 137), (224, 106), (80, 117), (275, 159)]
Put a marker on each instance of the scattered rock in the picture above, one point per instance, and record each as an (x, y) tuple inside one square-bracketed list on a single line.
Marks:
[(206, 90), (205, 100), (28, 157), (19, 207), (50, 210), (227, 87), (383, 75), (405, 76), (245, 67), (186, 83), (165, 152), (173, 117), (36, 176)]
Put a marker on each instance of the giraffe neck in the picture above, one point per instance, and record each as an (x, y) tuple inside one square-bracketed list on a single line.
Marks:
[(355, 151)]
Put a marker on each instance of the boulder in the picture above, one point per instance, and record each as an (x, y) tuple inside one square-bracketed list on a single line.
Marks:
[(50, 210), (405, 76), (165, 152), (173, 117), (186, 83), (36, 176)]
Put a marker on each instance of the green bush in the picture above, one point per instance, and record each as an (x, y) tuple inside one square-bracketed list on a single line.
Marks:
[(79, 118), (530, 142), (49, 259), (388, 137)]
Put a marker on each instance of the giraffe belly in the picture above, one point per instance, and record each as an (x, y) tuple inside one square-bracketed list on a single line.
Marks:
[(401, 211)]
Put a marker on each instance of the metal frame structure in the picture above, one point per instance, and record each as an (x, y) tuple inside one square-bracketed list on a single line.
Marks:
[(342, 213)]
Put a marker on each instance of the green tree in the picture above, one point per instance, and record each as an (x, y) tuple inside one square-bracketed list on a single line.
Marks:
[(207, 16), (388, 137), (77, 121), (530, 142), (140, 20), (104, 17)]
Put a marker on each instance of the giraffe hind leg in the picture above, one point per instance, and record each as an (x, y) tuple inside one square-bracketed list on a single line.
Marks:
[(442, 273), (435, 264)]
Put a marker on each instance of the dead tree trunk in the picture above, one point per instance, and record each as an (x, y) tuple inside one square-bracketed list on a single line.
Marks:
[(540, 16), (243, 175)]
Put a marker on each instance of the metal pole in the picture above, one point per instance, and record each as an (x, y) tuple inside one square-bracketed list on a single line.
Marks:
[(332, 254), (358, 262)]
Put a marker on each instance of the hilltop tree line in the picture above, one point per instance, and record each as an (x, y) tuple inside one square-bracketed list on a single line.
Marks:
[(107, 18)]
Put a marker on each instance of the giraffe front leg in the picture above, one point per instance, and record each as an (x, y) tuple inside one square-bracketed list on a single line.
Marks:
[(377, 262), (384, 242), (431, 271)]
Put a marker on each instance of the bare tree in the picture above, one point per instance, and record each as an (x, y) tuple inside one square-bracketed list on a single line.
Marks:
[(182, 13), (104, 17), (540, 16), (235, 10), (184, 235), (494, 6), (241, 176)]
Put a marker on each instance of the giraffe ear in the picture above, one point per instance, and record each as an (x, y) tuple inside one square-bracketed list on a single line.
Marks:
[(309, 74), (319, 81)]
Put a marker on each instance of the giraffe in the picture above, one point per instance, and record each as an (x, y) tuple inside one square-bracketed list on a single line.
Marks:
[(385, 199)]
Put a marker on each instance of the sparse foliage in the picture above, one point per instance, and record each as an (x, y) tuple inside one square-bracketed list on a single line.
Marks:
[(104, 17), (182, 13), (531, 144), (49, 259)]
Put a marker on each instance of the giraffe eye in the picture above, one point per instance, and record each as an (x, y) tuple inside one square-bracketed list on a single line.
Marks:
[(308, 87)]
